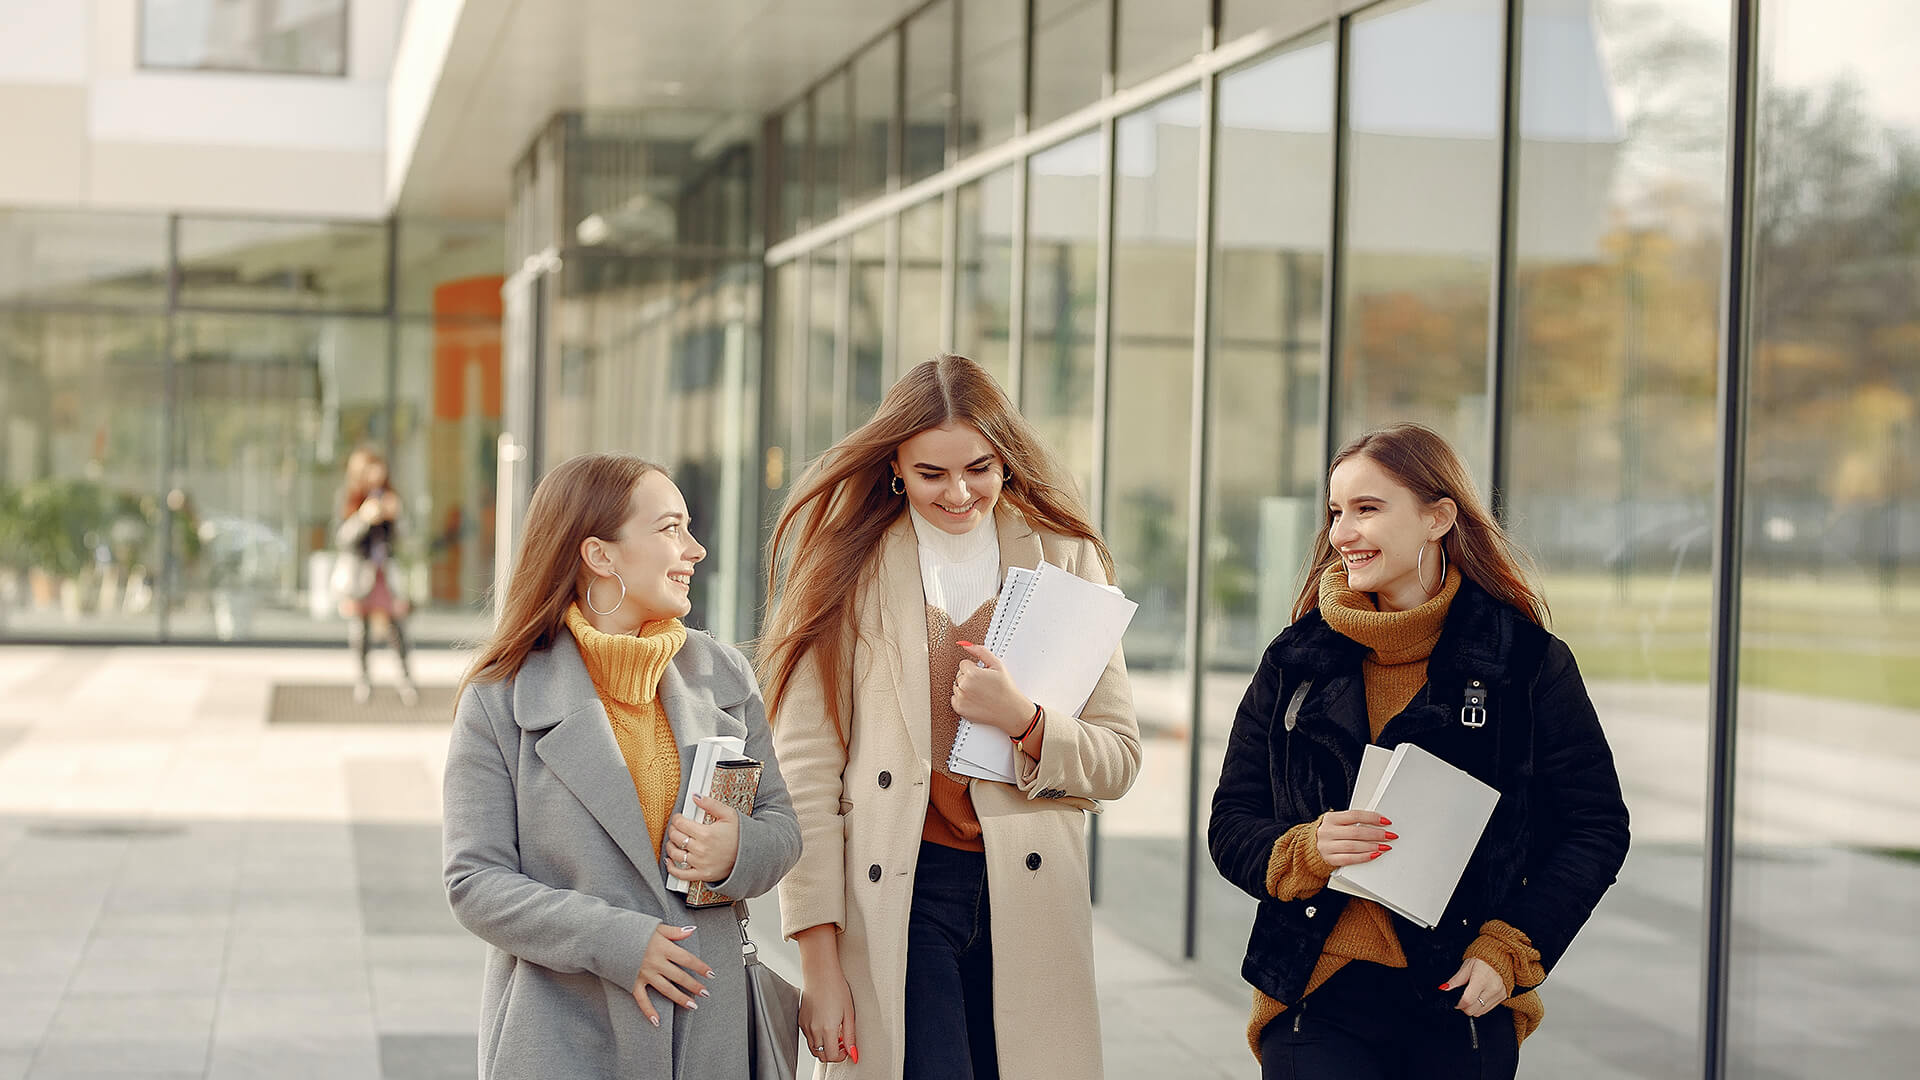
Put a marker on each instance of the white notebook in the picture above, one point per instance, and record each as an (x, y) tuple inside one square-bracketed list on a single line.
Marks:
[(1439, 812), (707, 753), (1055, 631)]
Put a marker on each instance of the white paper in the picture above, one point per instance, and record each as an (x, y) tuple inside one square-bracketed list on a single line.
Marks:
[(706, 753), (1439, 812)]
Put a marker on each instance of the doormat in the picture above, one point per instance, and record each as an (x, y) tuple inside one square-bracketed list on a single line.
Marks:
[(297, 703)]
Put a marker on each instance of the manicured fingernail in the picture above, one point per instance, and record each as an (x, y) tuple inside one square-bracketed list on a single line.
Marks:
[(1446, 986), (711, 975), (1393, 836), (1374, 855), (688, 929), (655, 1019), (703, 993), (854, 1053), (692, 1004), (966, 644), (1384, 821), (1386, 847)]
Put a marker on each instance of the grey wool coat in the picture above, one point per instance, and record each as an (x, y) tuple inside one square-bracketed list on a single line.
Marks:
[(548, 860)]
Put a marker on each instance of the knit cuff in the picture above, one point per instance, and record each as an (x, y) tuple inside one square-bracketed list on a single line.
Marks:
[(1510, 953), (1296, 870)]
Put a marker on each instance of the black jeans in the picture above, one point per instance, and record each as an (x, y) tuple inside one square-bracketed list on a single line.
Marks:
[(1365, 1023), (950, 969)]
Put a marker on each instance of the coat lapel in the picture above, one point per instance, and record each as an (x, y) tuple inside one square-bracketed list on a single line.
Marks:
[(582, 754), (903, 619)]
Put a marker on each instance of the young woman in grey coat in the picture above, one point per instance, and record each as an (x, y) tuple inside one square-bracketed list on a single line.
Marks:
[(570, 753)]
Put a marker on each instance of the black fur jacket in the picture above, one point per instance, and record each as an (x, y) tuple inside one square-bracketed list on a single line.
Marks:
[(1558, 834)]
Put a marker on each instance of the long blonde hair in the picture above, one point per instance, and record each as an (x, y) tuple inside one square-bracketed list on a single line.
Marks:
[(830, 530), (1427, 465), (589, 495)]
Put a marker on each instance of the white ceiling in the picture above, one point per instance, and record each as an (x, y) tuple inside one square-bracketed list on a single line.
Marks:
[(512, 64)]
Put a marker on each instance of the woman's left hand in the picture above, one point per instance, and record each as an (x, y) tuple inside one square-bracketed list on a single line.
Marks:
[(984, 693), (1483, 987), (696, 852)]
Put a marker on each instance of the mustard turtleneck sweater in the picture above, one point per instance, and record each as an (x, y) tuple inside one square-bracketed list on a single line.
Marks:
[(626, 670), (1394, 670)]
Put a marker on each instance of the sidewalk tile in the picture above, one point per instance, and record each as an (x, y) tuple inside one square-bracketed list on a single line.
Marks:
[(145, 964), (143, 1033)]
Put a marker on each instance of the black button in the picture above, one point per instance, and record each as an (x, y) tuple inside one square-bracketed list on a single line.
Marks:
[(873, 872), (886, 778), (1033, 860)]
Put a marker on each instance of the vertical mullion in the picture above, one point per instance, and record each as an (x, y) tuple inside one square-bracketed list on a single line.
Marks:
[(393, 337), (949, 266), (1103, 319), (169, 425), (1017, 303), (1199, 475), (891, 362), (1336, 256), (1502, 305), (842, 335), (1724, 650)]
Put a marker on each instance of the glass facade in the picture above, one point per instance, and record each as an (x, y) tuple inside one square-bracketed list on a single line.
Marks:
[(183, 391), (1519, 235), (286, 37)]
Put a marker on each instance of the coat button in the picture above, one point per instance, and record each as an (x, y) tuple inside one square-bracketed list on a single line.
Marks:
[(873, 872), (886, 779), (1312, 911), (1033, 860)]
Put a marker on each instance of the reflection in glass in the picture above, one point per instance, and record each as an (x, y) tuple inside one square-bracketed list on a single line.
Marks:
[(293, 37), (1149, 446), (1422, 187), (983, 276), (1273, 186), (436, 254), (82, 522), (1057, 361), (65, 257), (874, 96), (824, 387), (251, 263), (446, 421), (832, 132), (1610, 484), (992, 65), (1155, 35), (867, 321), (930, 90), (922, 241), (1829, 746), (795, 172), (1069, 57)]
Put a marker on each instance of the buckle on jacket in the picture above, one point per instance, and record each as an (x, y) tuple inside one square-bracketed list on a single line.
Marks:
[(1473, 711)]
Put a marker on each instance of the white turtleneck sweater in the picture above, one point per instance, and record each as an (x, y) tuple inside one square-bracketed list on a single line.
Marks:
[(958, 572)]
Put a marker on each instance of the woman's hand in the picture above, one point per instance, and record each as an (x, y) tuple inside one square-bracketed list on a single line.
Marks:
[(697, 852), (984, 693), (1347, 837), (669, 970), (826, 1017), (1483, 987)]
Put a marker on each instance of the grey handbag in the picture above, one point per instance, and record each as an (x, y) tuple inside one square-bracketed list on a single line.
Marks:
[(773, 1013)]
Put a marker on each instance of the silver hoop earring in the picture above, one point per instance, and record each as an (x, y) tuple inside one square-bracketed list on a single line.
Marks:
[(1420, 569), (899, 485), (616, 603)]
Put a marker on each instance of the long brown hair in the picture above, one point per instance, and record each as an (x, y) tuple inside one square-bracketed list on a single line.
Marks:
[(1428, 466), (829, 532), (589, 495), (356, 490)]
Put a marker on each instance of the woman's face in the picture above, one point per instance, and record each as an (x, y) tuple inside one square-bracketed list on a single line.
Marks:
[(952, 474), (655, 554), (1379, 528), (374, 475)]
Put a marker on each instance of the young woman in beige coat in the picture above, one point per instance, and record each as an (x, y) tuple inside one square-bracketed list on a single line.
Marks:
[(943, 922)]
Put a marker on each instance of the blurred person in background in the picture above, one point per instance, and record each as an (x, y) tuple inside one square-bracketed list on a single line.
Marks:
[(365, 572), (572, 745)]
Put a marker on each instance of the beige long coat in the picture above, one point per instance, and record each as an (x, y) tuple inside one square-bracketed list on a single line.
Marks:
[(860, 834)]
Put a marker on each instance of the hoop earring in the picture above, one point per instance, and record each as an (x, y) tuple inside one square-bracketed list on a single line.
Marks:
[(616, 603), (899, 485), (1420, 569), (1006, 474)]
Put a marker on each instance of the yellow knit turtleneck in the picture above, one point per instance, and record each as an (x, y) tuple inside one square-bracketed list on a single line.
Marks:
[(626, 671), (1395, 668)]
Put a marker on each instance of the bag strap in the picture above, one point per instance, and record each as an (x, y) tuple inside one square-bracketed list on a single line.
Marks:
[(748, 949)]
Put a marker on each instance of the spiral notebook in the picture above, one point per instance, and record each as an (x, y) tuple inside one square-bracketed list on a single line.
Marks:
[(1055, 632)]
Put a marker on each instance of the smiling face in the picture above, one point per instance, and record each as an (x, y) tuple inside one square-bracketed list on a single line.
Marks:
[(1379, 528), (953, 475), (654, 554)]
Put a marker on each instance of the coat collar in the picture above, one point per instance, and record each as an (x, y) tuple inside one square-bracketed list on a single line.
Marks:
[(1478, 640), (903, 611), (555, 701)]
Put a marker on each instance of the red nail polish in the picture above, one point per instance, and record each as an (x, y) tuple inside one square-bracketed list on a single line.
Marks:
[(1446, 986), (854, 1053), (966, 644), (1386, 847), (1375, 855), (1393, 836), (1384, 821)]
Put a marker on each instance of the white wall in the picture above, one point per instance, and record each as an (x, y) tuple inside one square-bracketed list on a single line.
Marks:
[(82, 125)]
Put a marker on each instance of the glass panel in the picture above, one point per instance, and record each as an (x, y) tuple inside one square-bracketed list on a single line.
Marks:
[(1057, 363), (1611, 477), (440, 262), (1272, 203), (983, 278), (319, 266), (1423, 182), (446, 423), (1829, 744), (1149, 446), (781, 461), (1238, 17), (60, 257), (81, 520), (295, 37), (875, 93), (992, 70), (611, 328), (923, 236), (795, 196), (1069, 57), (269, 408), (930, 93), (832, 129), (1155, 35), (825, 302), (867, 320)]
